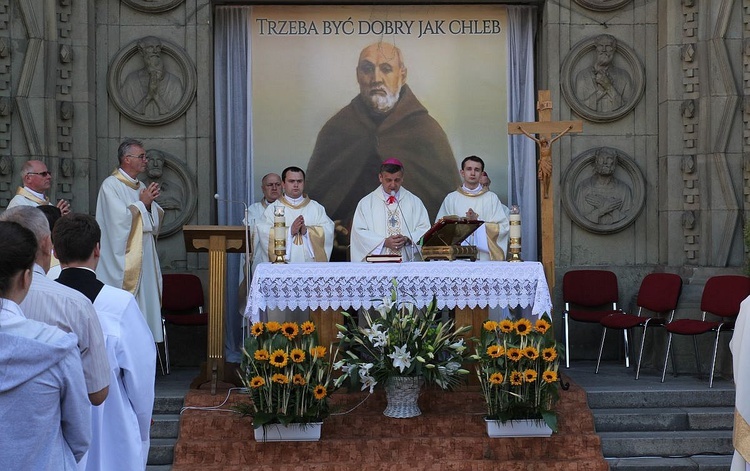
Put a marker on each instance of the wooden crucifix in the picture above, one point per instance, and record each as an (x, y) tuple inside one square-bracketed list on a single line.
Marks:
[(545, 128)]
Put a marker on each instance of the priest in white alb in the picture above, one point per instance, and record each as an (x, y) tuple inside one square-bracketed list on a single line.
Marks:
[(130, 219), (390, 220), (309, 230), (740, 347), (474, 201), (121, 425)]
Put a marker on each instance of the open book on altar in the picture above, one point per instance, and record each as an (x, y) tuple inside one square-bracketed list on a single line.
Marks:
[(443, 240)]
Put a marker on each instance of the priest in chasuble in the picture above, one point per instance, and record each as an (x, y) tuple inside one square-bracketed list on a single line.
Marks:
[(309, 233), (474, 201), (130, 219), (740, 347), (37, 180), (390, 220)]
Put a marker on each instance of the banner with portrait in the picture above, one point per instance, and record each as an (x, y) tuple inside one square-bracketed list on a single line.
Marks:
[(442, 84)]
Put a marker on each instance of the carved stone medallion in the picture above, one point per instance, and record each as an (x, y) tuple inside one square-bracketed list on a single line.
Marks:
[(602, 5), (152, 81), (602, 79), (178, 191), (603, 190), (152, 6)]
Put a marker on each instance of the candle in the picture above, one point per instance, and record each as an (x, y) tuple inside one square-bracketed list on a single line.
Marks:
[(515, 226)]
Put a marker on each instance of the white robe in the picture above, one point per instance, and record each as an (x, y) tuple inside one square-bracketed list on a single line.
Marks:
[(370, 224), (118, 212), (487, 205), (121, 425), (740, 347), (315, 246)]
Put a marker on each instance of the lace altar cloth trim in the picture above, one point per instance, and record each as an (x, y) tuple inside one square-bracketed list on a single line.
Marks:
[(339, 285)]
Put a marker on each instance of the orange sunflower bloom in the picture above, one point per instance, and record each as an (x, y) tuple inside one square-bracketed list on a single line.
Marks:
[(273, 326), (261, 355), (541, 326), (280, 378), (549, 376), (256, 329), (496, 378), (531, 353), (279, 358), (307, 328), (299, 380), (495, 351), (523, 326), (290, 330), (318, 352), (320, 392), (257, 382), (297, 355), (514, 354), (506, 326), (549, 354), (490, 326), (516, 378), (529, 376)]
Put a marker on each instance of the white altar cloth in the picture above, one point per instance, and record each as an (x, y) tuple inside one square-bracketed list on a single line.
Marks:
[(340, 285)]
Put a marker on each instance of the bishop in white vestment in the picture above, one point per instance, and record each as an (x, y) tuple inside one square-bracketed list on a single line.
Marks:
[(130, 220), (473, 201), (389, 220)]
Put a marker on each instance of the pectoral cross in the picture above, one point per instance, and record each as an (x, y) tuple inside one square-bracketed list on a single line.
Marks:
[(545, 128)]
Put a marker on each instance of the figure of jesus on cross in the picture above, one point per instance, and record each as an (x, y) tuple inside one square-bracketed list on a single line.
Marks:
[(548, 132)]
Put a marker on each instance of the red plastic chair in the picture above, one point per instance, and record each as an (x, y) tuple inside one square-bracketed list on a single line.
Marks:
[(721, 297), (182, 303), (589, 296), (657, 300)]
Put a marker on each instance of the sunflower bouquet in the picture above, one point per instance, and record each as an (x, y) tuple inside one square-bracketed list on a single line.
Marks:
[(517, 365), (287, 374)]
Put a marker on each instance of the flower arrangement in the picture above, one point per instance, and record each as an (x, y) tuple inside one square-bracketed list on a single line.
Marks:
[(286, 373), (402, 341), (517, 365)]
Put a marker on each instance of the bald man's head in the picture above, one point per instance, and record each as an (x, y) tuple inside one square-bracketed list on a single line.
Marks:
[(381, 74)]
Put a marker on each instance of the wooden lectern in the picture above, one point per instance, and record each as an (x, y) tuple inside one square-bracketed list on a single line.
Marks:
[(217, 241)]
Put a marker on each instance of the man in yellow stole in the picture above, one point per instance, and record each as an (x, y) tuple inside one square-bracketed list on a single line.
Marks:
[(474, 201), (740, 346), (37, 180), (309, 234), (130, 220)]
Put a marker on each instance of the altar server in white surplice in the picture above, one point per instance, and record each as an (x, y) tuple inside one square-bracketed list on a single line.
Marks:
[(740, 347), (390, 220), (120, 427), (271, 188), (475, 202), (130, 220), (309, 234)]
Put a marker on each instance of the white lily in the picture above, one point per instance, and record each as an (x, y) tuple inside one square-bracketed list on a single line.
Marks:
[(401, 358)]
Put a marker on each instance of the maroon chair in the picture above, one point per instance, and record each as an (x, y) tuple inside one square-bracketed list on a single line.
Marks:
[(657, 300), (721, 298), (182, 303), (589, 296)]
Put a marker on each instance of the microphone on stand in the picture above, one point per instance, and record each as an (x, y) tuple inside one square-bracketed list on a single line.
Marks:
[(246, 224), (411, 238)]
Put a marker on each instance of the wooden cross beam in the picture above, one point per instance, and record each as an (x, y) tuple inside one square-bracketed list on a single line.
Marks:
[(545, 128)]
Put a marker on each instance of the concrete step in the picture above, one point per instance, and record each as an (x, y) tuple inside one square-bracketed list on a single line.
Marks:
[(161, 467), (165, 426), (161, 451), (694, 463), (663, 419), (666, 444), (654, 398)]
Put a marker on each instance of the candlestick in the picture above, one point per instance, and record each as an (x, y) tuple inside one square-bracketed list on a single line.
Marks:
[(514, 249), (279, 234)]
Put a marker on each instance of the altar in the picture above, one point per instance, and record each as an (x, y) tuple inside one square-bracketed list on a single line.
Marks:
[(465, 286)]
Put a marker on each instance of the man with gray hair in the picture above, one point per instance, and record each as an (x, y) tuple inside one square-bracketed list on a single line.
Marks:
[(130, 220), (62, 307), (386, 119), (37, 181)]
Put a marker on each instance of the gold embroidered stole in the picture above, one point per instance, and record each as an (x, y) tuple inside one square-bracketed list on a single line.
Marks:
[(134, 247), (741, 436), (31, 196), (497, 253)]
